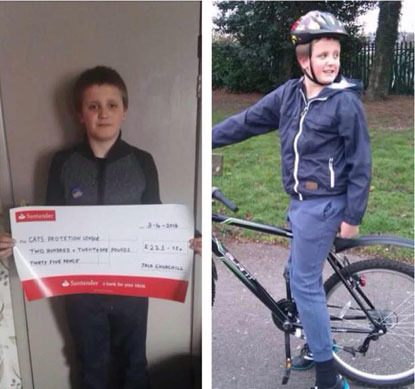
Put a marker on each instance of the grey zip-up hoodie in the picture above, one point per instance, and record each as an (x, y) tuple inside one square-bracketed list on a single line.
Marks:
[(126, 176)]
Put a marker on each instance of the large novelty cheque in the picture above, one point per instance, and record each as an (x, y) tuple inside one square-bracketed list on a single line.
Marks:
[(135, 250)]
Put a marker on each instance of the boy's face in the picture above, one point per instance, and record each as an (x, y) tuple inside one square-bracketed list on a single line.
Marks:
[(325, 59), (102, 112)]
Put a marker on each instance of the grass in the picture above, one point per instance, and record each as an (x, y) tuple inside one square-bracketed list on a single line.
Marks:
[(251, 177)]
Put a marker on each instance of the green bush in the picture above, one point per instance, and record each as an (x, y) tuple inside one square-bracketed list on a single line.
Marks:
[(239, 69)]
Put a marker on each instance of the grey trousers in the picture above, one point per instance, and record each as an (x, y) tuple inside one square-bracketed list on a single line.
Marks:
[(314, 223)]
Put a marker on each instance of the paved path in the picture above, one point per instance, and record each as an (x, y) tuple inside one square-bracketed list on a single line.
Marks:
[(248, 350)]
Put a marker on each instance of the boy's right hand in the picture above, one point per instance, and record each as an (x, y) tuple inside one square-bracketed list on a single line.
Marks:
[(348, 231), (6, 245)]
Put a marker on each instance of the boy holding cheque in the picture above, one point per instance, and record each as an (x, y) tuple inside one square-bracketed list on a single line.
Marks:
[(105, 170)]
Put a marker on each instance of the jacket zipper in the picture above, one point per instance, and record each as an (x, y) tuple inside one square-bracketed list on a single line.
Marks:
[(297, 155), (101, 181), (331, 172), (300, 130)]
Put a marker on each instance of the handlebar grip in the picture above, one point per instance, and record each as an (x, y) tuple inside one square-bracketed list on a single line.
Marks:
[(218, 195)]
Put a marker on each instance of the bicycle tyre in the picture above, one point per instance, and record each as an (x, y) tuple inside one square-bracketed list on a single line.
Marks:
[(367, 370), (213, 291), (214, 279)]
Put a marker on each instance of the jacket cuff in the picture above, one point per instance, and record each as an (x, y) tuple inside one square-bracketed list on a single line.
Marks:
[(352, 220)]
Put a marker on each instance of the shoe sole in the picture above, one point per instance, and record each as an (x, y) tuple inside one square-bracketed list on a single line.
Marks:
[(308, 367)]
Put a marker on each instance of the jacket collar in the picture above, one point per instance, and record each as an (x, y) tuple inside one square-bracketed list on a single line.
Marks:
[(118, 149), (344, 84)]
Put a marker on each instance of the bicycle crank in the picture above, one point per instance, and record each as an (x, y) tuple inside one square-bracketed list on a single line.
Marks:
[(289, 309)]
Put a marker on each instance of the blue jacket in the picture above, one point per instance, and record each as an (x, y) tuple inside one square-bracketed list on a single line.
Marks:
[(325, 147)]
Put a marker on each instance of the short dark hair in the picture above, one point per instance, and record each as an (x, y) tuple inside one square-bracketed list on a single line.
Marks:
[(98, 75)]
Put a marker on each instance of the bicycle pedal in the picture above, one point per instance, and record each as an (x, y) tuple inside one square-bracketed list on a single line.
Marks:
[(287, 371)]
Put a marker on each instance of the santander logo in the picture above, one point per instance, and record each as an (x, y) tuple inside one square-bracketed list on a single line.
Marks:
[(35, 216)]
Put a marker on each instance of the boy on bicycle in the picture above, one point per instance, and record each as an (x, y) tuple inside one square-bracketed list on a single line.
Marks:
[(326, 165)]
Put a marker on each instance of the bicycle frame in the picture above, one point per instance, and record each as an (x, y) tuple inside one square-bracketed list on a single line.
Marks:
[(284, 312), (261, 293)]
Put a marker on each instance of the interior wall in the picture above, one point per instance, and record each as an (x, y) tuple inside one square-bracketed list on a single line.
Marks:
[(153, 45)]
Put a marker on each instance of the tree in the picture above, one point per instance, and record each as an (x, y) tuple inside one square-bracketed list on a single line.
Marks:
[(262, 31), (386, 36)]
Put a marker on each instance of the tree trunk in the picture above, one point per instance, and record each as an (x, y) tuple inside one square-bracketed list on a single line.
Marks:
[(386, 36), (286, 69)]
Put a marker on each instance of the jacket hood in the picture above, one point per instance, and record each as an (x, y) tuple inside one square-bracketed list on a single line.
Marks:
[(347, 83), (344, 84)]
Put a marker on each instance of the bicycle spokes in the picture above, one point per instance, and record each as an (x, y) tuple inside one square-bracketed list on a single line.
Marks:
[(377, 343)]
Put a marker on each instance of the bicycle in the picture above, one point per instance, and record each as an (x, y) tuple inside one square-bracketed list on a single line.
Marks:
[(369, 327)]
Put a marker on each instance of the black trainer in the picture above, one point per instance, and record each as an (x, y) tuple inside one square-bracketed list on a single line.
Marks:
[(304, 361), (341, 383)]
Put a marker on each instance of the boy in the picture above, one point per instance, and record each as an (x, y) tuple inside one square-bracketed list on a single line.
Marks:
[(105, 170), (325, 157)]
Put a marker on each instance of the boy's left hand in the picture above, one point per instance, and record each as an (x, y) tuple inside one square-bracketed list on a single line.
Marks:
[(348, 231)]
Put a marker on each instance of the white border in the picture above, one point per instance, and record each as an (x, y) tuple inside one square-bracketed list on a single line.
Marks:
[(207, 6)]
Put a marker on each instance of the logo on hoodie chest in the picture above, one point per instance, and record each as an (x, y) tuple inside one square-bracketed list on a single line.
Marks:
[(76, 192)]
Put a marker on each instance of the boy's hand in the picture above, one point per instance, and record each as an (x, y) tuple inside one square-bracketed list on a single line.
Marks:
[(348, 231), (6, 245), (196, 245)]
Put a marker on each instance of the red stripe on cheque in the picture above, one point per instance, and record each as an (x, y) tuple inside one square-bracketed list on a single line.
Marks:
[(163, 288), (36, 216)]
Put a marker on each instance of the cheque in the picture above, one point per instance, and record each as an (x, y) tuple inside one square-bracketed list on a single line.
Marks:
[(135, 250)]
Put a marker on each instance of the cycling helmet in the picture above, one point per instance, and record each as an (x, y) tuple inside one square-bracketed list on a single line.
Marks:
[(316, 24)]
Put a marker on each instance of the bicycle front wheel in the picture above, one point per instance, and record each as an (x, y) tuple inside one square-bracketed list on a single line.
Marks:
[(389, 358)]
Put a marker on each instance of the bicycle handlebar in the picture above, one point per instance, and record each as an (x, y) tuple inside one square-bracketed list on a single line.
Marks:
[(218, 195)]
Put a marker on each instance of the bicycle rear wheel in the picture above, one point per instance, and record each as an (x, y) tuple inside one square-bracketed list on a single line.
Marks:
[(214, 279), (389, 360)]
